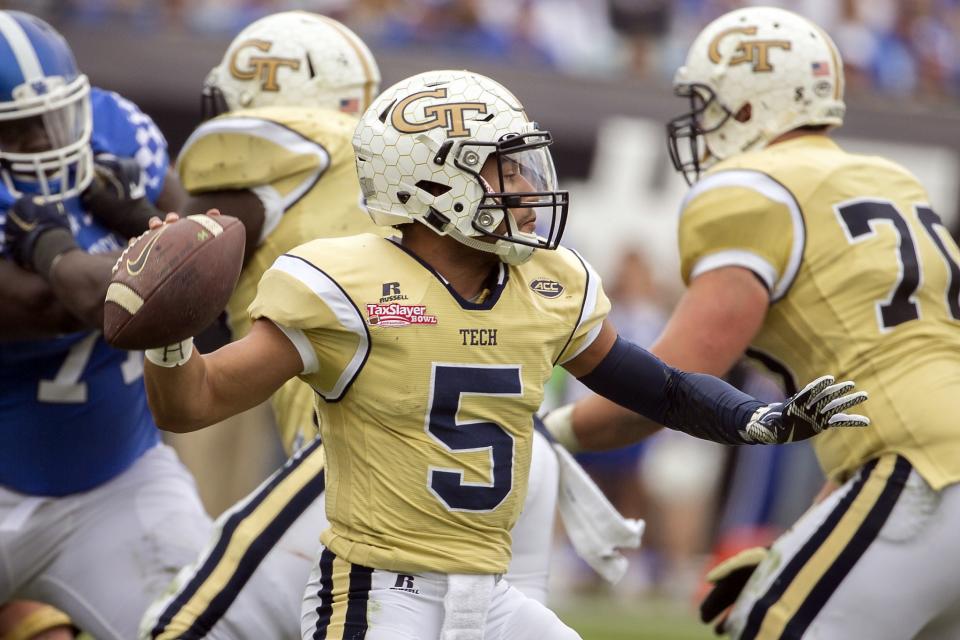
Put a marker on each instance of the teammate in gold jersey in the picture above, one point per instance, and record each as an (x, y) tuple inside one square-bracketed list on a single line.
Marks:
[(812, 258), (429, 357), (281, 160)]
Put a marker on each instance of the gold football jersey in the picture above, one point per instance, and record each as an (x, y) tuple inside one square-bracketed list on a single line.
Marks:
[(300, 163), (426, 399), (864, 284)]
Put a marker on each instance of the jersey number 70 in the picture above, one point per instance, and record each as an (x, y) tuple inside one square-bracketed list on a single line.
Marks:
[(858, 218)]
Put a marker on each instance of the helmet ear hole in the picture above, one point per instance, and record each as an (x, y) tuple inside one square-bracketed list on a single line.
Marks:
[(744, 114), (433, 188)]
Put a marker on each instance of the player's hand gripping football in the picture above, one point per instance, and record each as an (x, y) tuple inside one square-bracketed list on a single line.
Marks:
[(37, 232), (818, 406), (154, 223)]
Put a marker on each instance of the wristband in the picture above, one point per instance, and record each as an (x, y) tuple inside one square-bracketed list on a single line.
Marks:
[(50, 246), (559, 423), (172, 355)]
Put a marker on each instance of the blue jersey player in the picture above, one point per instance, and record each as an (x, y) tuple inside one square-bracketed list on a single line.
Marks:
[(96, 515)]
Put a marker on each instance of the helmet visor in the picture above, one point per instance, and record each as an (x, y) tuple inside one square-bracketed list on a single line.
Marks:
[(522, 203)]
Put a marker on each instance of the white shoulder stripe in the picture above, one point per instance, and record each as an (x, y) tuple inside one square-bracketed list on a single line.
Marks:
[(273, 209), (22, 48), (346, 312), (772, 190), (737, 258), (589, 305), (302, 344), (276, 133)]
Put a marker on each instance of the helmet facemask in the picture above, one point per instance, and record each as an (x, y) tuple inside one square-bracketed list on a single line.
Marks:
[(687, 133), (60, 164), (212, 101), (752, 75), (519, 182)]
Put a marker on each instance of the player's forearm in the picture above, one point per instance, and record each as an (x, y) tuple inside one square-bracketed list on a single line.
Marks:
[(193, 395), (79, 281), (696, 404), (178, 396), (599, 424), (191, 391), (31, 310)]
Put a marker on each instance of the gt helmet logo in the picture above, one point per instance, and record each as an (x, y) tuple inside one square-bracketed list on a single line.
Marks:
[(264, 67), (448, 116), (755, 52)]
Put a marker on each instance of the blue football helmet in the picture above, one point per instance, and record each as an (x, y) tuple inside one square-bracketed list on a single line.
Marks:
[(45, 115)]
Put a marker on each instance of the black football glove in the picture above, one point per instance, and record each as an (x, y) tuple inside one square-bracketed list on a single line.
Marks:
[(728, 579), (117, 197), (818, 406), (37, 232)]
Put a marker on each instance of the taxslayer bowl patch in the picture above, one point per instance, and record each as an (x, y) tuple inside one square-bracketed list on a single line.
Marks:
[(546, 288), (398, 315)]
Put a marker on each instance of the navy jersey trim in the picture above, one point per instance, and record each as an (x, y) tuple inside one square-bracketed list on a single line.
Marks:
[(775, 367), (583, 304), (503, 277), (366, 355)]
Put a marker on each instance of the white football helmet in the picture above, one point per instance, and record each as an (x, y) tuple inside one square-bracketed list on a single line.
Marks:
[(752, 75), (294, 58), (420, 149)]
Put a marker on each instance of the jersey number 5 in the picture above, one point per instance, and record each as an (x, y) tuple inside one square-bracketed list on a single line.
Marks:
[(858, 219), (449, 383)]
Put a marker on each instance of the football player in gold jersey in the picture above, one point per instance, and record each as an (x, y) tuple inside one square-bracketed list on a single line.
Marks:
[(276, 152), (809, 257), (429, 358)]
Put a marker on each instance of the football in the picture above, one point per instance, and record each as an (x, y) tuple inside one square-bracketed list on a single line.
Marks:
[(173, 281)]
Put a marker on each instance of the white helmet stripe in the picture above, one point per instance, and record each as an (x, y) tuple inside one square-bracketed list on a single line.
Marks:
[(358, 48), (22, 48)]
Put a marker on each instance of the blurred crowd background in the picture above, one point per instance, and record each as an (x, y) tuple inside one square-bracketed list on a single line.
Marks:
[(900, 48), (596, 72)]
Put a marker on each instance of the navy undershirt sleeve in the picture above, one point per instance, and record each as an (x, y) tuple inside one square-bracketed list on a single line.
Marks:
[(695, 403)]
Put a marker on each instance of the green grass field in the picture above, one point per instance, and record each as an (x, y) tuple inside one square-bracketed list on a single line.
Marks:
[(599, 618)]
